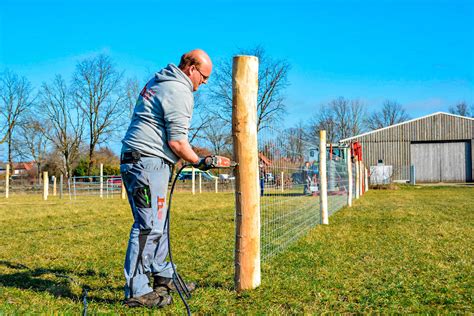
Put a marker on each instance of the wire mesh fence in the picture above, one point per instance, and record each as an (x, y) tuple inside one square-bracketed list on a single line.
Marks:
[(338, 183), (289, 189), (108, 187)]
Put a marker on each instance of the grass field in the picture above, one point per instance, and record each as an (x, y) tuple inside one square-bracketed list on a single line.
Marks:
[(398, 251)]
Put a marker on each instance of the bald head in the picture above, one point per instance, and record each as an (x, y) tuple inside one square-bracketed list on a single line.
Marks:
[(197, 65)]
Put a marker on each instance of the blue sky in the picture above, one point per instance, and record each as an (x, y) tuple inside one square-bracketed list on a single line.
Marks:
[(419, 53)]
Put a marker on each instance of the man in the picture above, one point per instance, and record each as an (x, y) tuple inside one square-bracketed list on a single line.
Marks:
[(155, 140)]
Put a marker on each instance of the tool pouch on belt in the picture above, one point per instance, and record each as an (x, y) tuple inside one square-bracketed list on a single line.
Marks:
[(142, 197)]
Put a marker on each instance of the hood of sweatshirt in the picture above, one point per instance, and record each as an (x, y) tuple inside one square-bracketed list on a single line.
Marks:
[(173, 73)]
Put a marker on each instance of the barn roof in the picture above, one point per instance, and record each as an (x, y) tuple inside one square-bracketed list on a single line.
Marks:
[(404, 123)]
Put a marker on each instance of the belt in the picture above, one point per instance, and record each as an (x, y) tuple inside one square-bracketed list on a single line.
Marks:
[(135, 156)]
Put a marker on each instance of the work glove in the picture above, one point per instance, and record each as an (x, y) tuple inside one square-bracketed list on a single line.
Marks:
[(204, 164)]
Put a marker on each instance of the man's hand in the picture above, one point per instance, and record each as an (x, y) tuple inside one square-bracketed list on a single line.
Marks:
[(204, 164)]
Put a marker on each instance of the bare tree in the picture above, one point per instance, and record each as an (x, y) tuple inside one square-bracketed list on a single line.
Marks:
[(341, 118), (16, 99), (462, 109), (132, 88), (31, 142), (294, 142), (218, 135), (65, 119), (272, 79), (98, 93), (391, 113)]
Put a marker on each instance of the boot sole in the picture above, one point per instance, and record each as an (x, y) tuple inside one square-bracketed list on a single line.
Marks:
[(168, 300)]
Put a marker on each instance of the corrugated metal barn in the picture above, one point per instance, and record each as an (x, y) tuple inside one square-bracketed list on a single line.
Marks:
[(440, 146)]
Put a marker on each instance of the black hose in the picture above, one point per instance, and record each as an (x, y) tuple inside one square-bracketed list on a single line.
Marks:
[(178, 282)]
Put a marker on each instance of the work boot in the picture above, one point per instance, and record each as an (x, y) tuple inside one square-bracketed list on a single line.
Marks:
[(162, 282), (156, 298)]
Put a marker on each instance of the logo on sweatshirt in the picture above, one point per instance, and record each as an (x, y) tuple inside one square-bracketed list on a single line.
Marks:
[(147, 94)]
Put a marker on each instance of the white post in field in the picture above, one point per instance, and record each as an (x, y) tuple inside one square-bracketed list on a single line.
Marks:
[(101, 180), (45, 185), (54, 185), (323, 178), (193, 181), (7, 181), (282, 181), (357, 181), (349, 176)]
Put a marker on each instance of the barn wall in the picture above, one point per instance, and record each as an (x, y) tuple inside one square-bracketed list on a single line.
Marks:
[(392, 144)]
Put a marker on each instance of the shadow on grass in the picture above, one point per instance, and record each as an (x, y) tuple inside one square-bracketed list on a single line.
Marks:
[(34, 279)]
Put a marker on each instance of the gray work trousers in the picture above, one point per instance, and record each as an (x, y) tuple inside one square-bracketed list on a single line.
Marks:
[(146, 182)]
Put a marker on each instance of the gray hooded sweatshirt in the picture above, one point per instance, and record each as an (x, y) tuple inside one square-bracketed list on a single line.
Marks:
[(162, 113)]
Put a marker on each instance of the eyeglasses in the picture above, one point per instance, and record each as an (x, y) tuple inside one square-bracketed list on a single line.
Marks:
[(204, 78)]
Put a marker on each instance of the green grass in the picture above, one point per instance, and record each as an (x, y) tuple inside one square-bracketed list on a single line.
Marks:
[(400, 251)]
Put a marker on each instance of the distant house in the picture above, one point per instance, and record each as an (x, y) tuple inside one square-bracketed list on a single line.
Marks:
[(264, 160), (22, 168)]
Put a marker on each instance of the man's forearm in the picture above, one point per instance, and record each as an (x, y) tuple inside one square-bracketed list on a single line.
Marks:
[(183, 149)]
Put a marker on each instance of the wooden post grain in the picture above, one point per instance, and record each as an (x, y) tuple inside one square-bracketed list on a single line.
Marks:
[(323, 201), (349, 177), (247, 190), (7, 181), (217, 185), (45, 185)]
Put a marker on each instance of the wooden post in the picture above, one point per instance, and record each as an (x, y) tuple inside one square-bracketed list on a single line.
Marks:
[(282, 181), (45, 185), (193, 181), (362, 191), (366, 179), (217, 184), (200, 182), (357, 182), (349, 176), (101, 180), (323, 201), (7, 181), (61, 186), (124, 192), (54, 185), (247, 189)]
